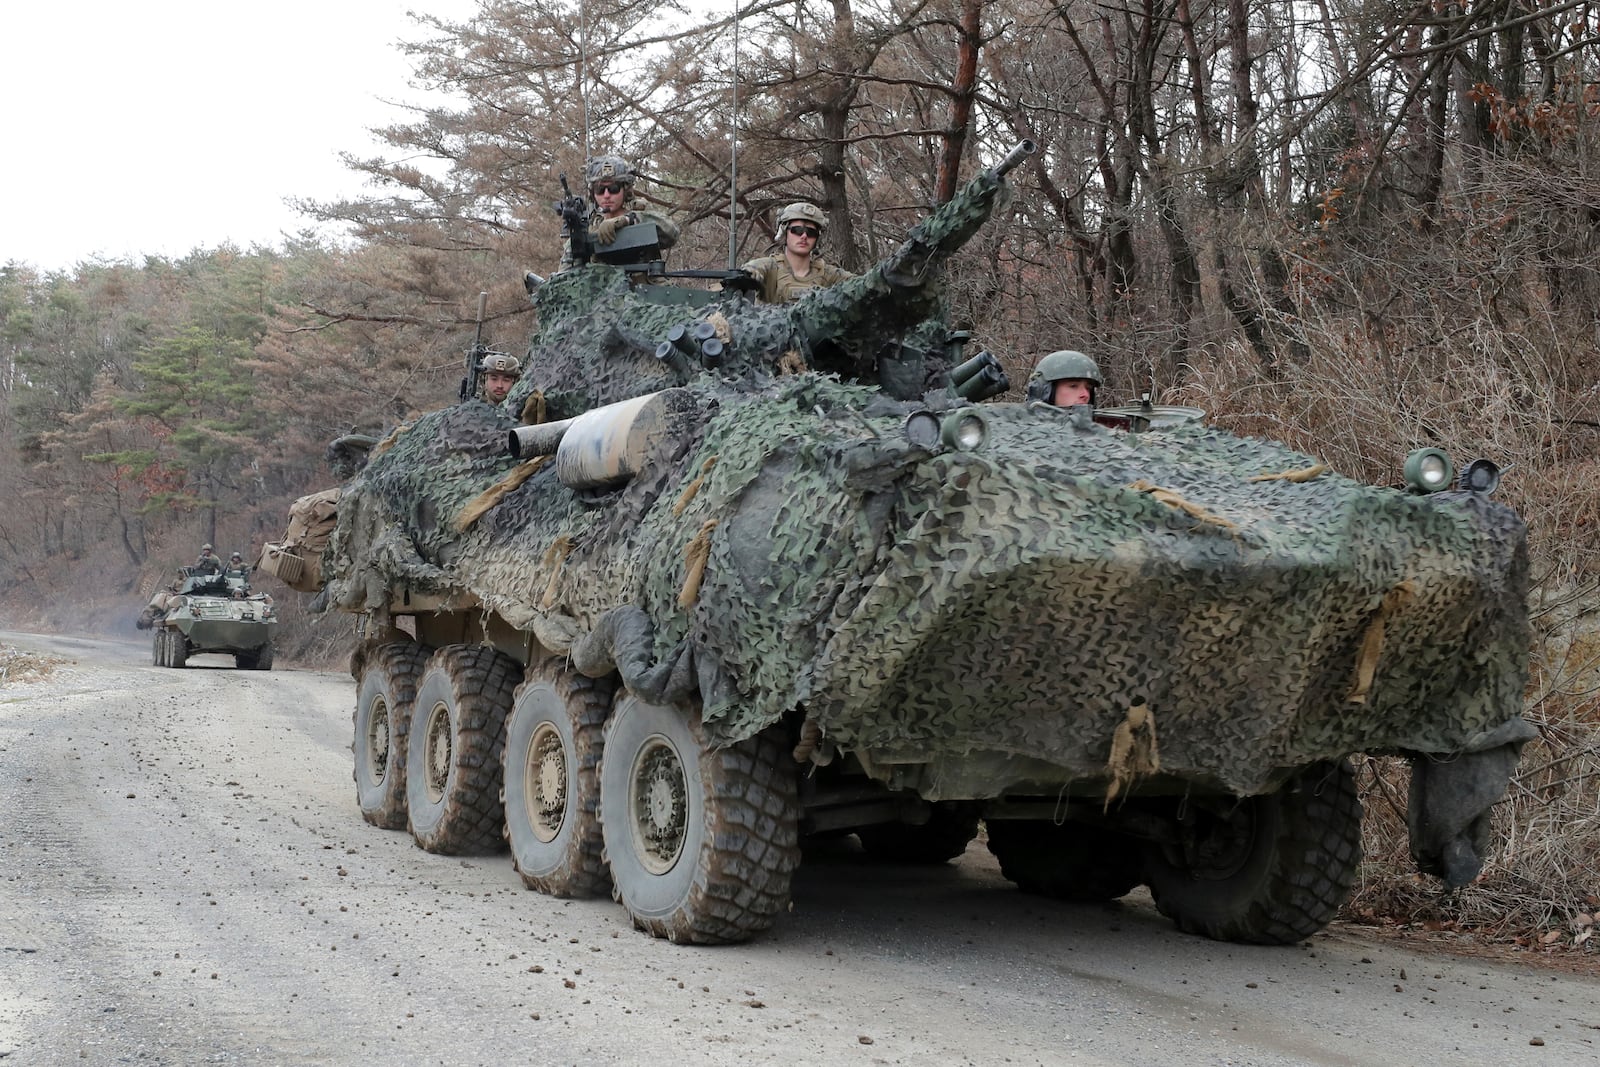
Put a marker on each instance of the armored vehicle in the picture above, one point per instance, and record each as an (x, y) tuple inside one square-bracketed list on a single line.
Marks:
[(718, 575), (202, 613)]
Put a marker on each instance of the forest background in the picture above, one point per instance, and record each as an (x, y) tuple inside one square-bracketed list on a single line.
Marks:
[(1357, 227)]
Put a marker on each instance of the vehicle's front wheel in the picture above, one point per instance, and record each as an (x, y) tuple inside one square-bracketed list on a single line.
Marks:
[(951, 826), (1070, 861), (382, 718), (1270, 870), (554, 741), (453, 750), (158, 648), (257, 660), (702, 842), (177, 649)]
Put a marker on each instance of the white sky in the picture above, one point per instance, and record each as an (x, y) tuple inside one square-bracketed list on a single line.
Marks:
[(157, 128)]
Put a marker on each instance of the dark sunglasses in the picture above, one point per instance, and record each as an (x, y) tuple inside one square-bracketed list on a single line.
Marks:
[(805, 231), (613, 188)]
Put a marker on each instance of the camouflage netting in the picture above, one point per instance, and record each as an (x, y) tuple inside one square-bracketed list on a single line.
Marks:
[(1066, 607), (599, 335), (1015, 600)]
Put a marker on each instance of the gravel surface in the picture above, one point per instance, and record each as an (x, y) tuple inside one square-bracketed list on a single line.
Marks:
[(185, 879)]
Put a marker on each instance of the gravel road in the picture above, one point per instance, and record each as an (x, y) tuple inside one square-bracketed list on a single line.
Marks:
[(185, 879)]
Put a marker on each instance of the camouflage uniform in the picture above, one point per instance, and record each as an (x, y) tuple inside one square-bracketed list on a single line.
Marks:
[(207, 562), (666, 230), (780, 284), (614, 168)]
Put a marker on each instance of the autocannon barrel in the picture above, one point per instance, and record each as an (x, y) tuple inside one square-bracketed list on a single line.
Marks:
[(1020, 151)]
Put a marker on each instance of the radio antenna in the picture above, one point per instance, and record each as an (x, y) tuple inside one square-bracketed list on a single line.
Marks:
[(733, 164), (583, 72)]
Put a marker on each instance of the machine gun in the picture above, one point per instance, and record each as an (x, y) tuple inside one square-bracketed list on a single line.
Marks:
[(574, 212), (475, 354)]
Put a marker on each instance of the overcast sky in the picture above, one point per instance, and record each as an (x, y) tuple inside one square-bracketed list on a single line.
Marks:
[(155, 128)]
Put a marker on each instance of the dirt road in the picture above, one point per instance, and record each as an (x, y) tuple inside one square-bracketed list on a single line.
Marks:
[(184, 879)]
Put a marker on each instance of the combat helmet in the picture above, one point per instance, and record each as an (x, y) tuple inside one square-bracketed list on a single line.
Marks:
[(800, 211), (1064, 363), (501, 362), (607, 168)]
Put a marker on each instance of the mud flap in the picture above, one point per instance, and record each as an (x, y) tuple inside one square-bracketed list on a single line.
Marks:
[(1451, 799)]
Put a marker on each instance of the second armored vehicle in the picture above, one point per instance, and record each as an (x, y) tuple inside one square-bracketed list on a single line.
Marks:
[(204, 613)]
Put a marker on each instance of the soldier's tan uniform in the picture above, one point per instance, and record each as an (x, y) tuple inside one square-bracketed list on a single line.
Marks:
[(666, 230), (780, 284)]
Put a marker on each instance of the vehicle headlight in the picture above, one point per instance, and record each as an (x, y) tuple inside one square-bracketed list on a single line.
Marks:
[(1480, 476), (964, 430), (1429, 470), (922, 429)]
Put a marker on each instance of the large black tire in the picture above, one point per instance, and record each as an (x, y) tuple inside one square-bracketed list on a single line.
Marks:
[(1070, 861), (1269, 870), (702, 843), (947, 833), (177, 649), (158, 648), (554, 741), (384, 700), (453, 750), (258, 660)]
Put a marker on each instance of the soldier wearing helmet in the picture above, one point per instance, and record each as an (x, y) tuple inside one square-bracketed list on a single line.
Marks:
[(799, 269), (207, 563), (499, 372), (610, 180), (1065, 378), (236, 569)]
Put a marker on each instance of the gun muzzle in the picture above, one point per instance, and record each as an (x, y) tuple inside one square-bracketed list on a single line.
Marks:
[(526, 442), (1022, 150)]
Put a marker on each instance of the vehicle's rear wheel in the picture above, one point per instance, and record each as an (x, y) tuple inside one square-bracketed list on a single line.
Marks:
[(554, 740), (453, 750), (1070, 861), (702, 843), (1270, 870), (384, 699), (177, 649), (951, 826)]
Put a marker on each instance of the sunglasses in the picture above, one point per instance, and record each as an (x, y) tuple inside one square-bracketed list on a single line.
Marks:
[(613, 188), (805, 231)]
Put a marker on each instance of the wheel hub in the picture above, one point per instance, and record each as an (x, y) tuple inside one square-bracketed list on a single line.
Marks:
[(546, 777), (437, 754), (378, 739), (659, 803)]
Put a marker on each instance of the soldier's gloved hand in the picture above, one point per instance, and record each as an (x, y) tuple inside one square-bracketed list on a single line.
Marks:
[(605, 231)]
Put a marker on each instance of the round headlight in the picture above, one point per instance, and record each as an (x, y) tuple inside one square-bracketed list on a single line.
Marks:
[(1429, 470), (1480, 476), (965, 430), (922, 429)]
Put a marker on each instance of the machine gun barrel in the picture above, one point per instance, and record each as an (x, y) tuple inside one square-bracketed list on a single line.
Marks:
[(1020, 151), (469, 383)]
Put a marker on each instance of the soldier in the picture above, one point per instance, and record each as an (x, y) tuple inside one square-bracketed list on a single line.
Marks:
[(799, 270), (1065, 378), (207, 563), (500, 373), (236, 568), (610, 180)]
